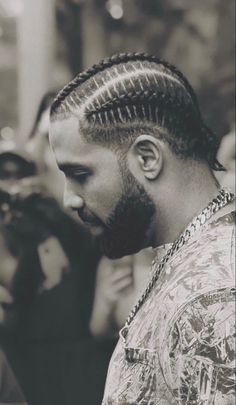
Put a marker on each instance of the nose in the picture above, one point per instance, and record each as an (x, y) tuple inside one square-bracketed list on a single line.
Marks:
[(72, 200)]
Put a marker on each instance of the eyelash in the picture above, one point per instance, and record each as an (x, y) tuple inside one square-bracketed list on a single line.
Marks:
[(80, 176)]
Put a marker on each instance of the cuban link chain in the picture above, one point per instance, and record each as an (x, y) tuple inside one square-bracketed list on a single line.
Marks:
[(223, 198)]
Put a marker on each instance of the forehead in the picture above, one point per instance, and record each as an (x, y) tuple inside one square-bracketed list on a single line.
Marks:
[(69, 145)]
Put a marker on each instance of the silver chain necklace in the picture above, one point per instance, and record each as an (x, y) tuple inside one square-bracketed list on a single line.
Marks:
[(223, 198)]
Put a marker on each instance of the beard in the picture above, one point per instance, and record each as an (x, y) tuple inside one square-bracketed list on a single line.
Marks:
[(127, 228)]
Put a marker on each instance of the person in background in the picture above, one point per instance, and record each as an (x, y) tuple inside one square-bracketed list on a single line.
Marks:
[(118, 284), (227, 155), (49, 269), (10, 391), (138, 159)]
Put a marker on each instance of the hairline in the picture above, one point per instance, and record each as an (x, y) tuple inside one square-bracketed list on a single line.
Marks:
[(143, 127)]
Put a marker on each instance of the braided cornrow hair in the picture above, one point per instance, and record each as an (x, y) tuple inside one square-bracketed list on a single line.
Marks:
[(116, 60), (133, 90)]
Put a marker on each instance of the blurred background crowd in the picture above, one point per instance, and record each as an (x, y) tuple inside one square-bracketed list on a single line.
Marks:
[(61, 302)]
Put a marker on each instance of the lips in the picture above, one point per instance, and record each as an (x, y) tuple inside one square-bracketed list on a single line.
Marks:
[(88, 222), (88, 218), (93, 224)]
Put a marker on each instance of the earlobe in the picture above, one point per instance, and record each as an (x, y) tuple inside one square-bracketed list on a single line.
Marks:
[(148, 152)]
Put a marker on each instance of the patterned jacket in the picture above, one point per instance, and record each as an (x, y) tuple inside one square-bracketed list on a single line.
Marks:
[(180, 346)]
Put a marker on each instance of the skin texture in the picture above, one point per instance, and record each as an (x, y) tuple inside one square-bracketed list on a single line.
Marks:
[(167, 189), (69, 148), (115, 216)]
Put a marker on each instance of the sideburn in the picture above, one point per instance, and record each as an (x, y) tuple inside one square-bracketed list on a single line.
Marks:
[(129, 225)]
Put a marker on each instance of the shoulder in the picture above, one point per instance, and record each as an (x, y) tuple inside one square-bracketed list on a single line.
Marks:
[(198, 353), (207, 262)]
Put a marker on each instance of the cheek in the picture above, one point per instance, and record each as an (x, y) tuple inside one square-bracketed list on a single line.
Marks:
[(104, 192)]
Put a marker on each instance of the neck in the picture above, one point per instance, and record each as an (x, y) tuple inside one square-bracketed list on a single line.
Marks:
[(176, 209)]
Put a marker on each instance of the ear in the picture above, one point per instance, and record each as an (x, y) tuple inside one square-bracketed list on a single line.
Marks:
[(147, 152)]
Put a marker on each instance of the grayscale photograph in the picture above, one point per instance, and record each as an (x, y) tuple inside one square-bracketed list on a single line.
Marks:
[(117, 202)]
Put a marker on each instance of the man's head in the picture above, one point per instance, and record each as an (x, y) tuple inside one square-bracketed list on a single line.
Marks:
[(115, 128)]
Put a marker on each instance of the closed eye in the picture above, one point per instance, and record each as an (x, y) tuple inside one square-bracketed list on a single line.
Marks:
[(79, 176), (75, 172)]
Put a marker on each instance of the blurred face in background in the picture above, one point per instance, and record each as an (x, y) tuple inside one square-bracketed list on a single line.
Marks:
[(15, 281), (40, 151)]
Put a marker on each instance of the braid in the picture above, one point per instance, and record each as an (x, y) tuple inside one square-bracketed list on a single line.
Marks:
[(84, 76), (150, 92), (116, 60), (147, 96), (212, 145)]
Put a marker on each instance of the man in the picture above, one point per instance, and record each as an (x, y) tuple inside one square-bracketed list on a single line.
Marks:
[(138, 159)]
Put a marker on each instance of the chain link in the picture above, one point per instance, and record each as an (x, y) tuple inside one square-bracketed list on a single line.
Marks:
[(223, 198)]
